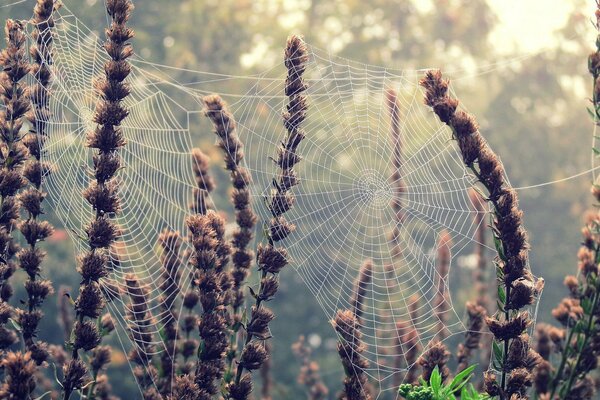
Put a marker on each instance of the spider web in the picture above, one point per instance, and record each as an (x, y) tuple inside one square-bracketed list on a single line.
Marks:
[(343, 210)]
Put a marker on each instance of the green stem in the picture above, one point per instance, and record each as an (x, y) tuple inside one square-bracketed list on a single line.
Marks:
[(587, 334), (563, 363)]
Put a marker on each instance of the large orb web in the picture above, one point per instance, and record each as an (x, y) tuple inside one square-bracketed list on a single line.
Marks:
[(343, 211)]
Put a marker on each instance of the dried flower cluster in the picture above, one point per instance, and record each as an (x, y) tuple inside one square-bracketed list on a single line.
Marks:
[(14, 96), (359, 291), (205, 184), (437, 355), (272, 258), (309, 375), (170, 243), (31, 199), (241, 257), (517, 288), (206, 236), (140, 329), (397, 182), (579, 341), (350, 349), (476, 318), (102, 193), (441, 301)]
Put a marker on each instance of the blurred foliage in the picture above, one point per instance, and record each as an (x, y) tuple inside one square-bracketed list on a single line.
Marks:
[(532, 111)]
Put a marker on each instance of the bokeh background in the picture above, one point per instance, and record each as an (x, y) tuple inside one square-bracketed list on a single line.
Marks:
[(520, 66)]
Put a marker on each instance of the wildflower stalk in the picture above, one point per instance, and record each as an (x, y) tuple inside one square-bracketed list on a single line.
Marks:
[(516, 288), (201, 203), (31, 199), (350, 349), (271, 259), (206, 233), (360, 289), (13, 94), (140, 323), (170, 243), (233, 150), (579, 313), (266, 375), (441, 301), (309, 375), (102, 193), (412, 341), (475, 324), (20, 376), (396, 180)]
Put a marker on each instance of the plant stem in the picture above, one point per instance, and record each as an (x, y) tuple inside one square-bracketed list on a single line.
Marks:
[(563, 362), (258, 302)]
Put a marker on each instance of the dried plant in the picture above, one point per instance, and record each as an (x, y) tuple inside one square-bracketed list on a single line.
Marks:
[(309, 375), (578, 313), (19, 382), (205, 184), (580, 347), (102, 194), (412, 341), (517, 288), (480, 275), (397, 182), (233, 150), (360, 289), (215, 320), (441, 301), (476, 314), (14, 96), (141, 322), (170, 243), (32, 228), (271, 258), (201, 203), (549, 340), (266, 375), (350, 349), (407, 343), (435, 356)]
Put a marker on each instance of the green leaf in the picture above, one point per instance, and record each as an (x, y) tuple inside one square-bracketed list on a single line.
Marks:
[(499, 247), (596, 151), (15, 324), (461, 379), (435, 381), (201, 348), (586, 304), (501, 294), (498, 353), (252, 292)]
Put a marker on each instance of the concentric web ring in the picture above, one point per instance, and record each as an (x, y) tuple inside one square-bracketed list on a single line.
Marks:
[(343, 210)]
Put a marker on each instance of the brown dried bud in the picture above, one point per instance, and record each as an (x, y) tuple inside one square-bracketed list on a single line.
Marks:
[(253, 355)]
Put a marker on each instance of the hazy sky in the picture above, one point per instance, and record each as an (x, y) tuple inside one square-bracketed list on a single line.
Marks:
[(528, 24)]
